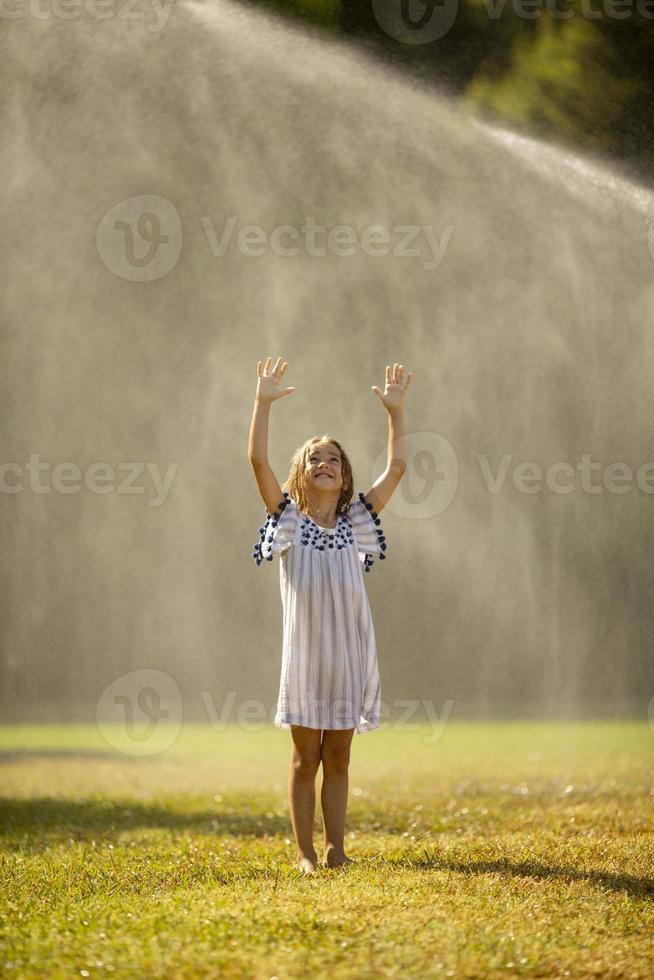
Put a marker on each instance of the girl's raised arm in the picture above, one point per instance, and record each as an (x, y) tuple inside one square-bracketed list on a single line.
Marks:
[(392, 398), (269, 388)]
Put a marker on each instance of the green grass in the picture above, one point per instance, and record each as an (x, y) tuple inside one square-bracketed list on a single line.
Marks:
[(499, 850)]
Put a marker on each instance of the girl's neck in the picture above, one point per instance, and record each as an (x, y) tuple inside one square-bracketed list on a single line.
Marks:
[(323, 513)]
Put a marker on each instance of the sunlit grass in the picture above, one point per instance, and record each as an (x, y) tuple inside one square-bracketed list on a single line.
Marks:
[(515, 849)]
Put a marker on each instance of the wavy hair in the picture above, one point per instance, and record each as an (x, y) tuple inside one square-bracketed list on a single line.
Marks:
[(296, 481)]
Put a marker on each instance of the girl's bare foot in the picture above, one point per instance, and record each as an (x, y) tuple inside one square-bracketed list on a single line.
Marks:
[(307, 865), (334, 859)]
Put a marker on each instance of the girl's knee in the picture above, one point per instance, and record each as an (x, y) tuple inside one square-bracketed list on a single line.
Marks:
[(335, 750), (335, 761), (305, 765)]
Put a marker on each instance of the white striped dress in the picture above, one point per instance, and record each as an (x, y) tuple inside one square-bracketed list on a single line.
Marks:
[(329, 676)]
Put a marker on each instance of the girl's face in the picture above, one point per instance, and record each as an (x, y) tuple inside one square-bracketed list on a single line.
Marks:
[(324, 467)]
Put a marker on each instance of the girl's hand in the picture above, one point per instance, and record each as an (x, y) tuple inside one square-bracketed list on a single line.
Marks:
[(396, 387), (268, 384)]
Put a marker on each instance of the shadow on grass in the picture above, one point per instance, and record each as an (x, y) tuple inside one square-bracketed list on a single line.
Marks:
[(105, 755), (38, 823), (638, 887)]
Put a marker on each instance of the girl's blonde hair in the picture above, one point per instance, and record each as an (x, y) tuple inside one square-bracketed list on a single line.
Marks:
[(296, 480)]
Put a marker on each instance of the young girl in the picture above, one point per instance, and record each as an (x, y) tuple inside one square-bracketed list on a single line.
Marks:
[(329, 686)]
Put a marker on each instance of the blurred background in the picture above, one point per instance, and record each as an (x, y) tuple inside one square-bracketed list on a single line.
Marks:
[(576, 72), (165, 173)]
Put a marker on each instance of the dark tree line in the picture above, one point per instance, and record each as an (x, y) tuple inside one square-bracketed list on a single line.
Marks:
[(577, 72)]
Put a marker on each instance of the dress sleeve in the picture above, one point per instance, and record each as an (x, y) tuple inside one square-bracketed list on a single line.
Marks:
[(368, 534), (277, 531)]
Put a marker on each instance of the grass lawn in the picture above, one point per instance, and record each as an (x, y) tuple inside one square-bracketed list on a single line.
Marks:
[(498, 850)]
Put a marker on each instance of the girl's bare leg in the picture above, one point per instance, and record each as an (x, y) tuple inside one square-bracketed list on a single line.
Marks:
[(305, 762), (335, 757)]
